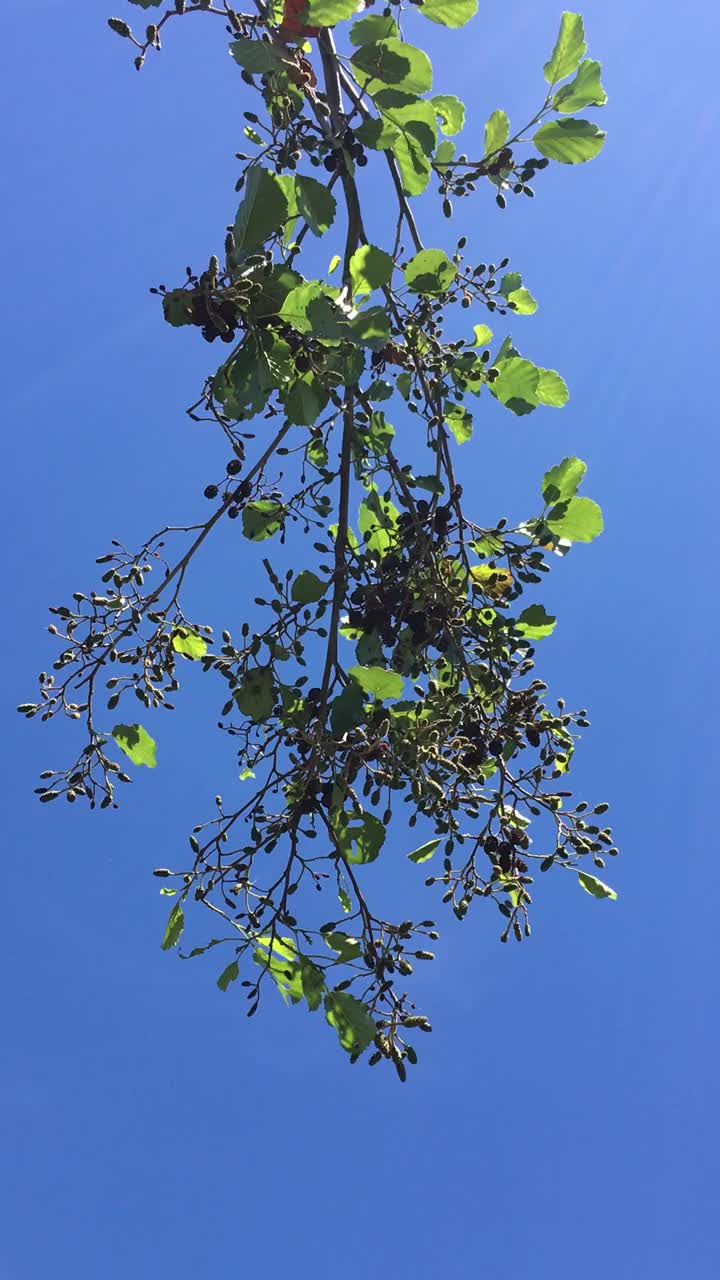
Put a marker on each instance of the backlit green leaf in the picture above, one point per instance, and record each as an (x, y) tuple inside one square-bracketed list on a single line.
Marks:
[(264, 209), (229, 975), (450, 111), (255, 55), (585, 90), (551, 389), (497, 132), (262, 519), (482, 335), (326, 13), (173, 928), (535, 623), (576, 520), (188, 643), (136, 743), (351, 1019), (460, 422), (347, 710), (256, 694), (449, 13), (425, 851), (370, 268), (597, 888), (307, 588), (375, 27), (316, 204), (360, 839), (570, 47), (393, 62), (430, 272), (569, 141), (347, 948), (379, 682), (563, 481)]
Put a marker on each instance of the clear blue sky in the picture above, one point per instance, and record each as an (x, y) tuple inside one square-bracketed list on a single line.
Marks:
[(563, 1120)]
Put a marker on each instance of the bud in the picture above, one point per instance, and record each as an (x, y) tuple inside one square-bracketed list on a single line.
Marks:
[(119, 27)]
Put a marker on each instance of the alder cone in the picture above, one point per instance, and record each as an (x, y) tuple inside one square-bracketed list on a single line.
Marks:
[(291, 27)]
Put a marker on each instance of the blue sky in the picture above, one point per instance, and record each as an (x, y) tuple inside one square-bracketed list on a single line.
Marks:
[(563, 1118)]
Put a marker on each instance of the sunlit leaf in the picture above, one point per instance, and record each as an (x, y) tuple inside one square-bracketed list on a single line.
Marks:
[(307, 588), (576, 520), (450, 111), (430, 272), (136, 743), (228, 975), (535, 623), (351, 1019), (262, 519), (449, 13), (188, 643), (256, 694), (377, 26), (563, 481), (497, 132), (585, 90), (379, 682), (264, 209), (360, 839), (315, 203), (597, 888), (569, 141), (173, 928), (370, 268), (424, 852), (570, 47)]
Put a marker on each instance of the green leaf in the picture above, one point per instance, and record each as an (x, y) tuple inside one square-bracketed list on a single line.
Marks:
[(377, 133), (256, 694), (563, 481), (451, 112), (326, 13), (379, 682), (173, 928), (375, 27), (136, 743), (307, 588), (576, 520), (597, 888), (393, 62), (360, 839), (347, 710), (371, 328), (551, 389), (177, 307), (305, 400), (535, 623), (444, 154), (584, 91), (351, 1019), (425, 851), (316, 204), (449, 13), (347, 948), (415, 144), (262, 519), (518, 380), (569, 48), (430, 272), (497, 132), (295, 975), (255, 56), (334, 263), (188, 643), (377, 522), (569, 141), (460, 422), (263, 210), (345, 901), (229, 975), (370, 268), (482, 335)]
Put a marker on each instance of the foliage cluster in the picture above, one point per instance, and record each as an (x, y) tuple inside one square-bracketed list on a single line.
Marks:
[(394, 677)]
